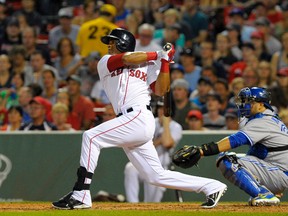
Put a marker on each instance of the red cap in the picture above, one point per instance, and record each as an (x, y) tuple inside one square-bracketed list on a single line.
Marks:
[(257, 34), (195, 113), (45, 103), (283, 72)]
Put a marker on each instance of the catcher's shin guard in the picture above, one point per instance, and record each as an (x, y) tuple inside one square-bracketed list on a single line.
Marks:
[(84, 179), (239, 176)]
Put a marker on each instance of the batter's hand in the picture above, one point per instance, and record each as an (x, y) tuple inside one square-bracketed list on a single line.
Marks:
[(167, 53)]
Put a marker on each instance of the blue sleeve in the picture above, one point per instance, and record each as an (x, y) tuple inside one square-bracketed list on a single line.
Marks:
[(238, 139)]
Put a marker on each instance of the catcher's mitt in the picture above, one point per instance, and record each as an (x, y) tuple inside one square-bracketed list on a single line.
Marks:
[(187, 156)]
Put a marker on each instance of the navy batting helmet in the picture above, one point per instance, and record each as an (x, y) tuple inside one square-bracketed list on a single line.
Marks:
[(125, 40), (248, 95)]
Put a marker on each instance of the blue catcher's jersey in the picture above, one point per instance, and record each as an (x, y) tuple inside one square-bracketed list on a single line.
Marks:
[(267, 129)]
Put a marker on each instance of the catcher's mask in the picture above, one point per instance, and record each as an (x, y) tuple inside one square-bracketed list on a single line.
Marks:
[(248, 95), (125, 40)]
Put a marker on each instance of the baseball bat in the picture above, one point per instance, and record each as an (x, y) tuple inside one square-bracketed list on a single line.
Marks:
[(167, 96)]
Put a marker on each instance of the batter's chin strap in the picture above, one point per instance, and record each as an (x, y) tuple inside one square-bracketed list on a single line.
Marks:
[(82, 176)]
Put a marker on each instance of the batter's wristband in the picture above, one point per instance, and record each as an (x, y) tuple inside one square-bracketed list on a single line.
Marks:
[(165, 66), (210, 149), (151, 56)]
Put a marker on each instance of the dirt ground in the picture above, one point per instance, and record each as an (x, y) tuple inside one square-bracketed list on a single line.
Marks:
[(222, 207)]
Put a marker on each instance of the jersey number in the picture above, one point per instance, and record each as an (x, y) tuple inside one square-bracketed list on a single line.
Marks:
[(93, 31)]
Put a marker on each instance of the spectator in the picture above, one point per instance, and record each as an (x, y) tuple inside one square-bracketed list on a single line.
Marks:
[(231, 119), (5, 75), (145, 41), (15, 114), (122, 13), (237, 16), (210, 73), (250, 76), (170, 18), (33, 18), (19, 64), (60, 116), (12, 36), (257, 39), (134, 20), (279, 90), (49, 86), (192, 71), (64, 29), (249, 58), (180, 92), (283, 26), (38, 66), (198, 96), (176, 72), (223, 53), (88, 38), (235, 41), (206, 59), (221, 87), (213, 120), (40, 110), (3, 18), (265, 74), (89, 13), (17, 82), (280, 59), (195, 120), (36, 89), (81, 105), (3, 110), (88, 73), (235, 86), (198, 21), (63, 97), (29, 39), (273, 44), (24, 97), (67, 62), (166, 136)]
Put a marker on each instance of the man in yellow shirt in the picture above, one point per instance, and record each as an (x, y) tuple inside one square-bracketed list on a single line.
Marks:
[(88, 38)]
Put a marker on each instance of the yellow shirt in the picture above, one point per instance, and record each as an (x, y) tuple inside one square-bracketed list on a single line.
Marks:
[(89, 36)]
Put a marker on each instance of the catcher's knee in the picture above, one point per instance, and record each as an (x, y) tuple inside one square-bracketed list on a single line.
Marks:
[(227, 163)]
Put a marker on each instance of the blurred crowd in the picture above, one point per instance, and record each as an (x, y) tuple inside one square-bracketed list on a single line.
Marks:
[(49, 51)]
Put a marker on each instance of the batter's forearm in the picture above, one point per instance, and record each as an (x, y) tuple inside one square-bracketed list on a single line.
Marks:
[(134, 58)]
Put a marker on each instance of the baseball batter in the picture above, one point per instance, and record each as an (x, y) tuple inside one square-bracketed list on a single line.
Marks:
[(127, 78), (263, 171)]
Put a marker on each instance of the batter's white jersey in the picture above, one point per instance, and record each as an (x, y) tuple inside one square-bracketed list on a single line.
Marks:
[(136, 79)]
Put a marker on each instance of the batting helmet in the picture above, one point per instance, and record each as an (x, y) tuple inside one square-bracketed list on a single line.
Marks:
[(248, 95), (125, 40)]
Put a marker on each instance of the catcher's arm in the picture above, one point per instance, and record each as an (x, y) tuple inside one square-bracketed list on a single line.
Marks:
[(189, 156)]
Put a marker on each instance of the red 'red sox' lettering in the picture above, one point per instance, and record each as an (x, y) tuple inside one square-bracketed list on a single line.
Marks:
[(138, 74), (117, 72)]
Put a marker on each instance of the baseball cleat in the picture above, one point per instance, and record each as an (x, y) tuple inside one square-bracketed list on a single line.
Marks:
[(68, 202), (213, 199), (264, 200)]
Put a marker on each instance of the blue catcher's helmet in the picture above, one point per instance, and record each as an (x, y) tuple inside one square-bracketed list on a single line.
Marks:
[(248, 95)]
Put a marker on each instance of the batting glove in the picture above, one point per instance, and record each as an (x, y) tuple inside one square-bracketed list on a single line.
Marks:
[(167, 53)]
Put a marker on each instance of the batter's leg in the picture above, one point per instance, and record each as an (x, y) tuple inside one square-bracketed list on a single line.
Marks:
[(146, 160)]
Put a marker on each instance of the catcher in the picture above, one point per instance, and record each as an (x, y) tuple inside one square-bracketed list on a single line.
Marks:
[(263, 171)]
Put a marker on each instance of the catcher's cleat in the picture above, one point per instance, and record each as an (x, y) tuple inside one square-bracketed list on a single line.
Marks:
[(213, 199), (68, 202), (267, 199)]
